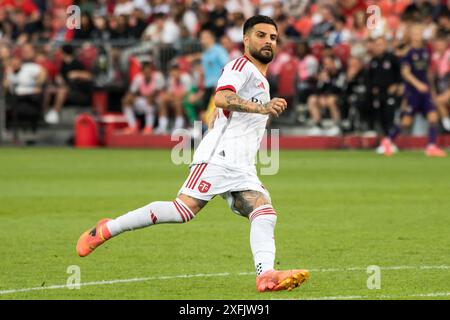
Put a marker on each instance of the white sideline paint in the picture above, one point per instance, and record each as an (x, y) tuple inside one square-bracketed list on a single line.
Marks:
[(383, 296), (227, 274)]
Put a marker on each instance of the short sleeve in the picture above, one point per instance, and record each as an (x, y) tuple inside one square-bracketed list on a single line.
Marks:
[(233, 76), (406, 60), (160, 81), (135, 84)]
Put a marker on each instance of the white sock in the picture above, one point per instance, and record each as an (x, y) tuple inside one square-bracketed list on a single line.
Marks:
[(446, 123), (154, 213), (163, 123), (179, 122), (129, 115), (262, 240)]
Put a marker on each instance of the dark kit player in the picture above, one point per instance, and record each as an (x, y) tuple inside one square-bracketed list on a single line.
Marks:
[(415, 68)]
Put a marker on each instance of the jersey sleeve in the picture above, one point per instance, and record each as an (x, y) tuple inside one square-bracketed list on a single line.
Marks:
[(136, 83), (234, 76), (406, 60), (160, 81)]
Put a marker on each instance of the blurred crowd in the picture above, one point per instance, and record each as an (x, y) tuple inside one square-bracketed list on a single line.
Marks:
[(338, 62)]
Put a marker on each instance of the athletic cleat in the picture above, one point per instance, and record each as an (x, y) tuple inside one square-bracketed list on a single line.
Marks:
[(130, 130), (148, 131), (275, 280), (433, 151), (93, 238), (387, 147)]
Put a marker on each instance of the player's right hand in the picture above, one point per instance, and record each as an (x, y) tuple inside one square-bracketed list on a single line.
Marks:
[(275, 107), (421, 87)]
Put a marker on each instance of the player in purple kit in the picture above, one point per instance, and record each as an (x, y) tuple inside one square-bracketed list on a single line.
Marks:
[(415, 70)]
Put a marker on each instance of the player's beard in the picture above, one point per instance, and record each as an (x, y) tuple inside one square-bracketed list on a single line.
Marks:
[(262, 55)]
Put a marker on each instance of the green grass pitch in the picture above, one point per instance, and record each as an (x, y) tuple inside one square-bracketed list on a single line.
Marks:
[(338, 213)]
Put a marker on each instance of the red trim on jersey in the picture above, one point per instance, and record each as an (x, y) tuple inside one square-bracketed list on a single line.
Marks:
[(242, 66), (227, 87), (241, 62), (226, 113), (255, 66), (234, 65)]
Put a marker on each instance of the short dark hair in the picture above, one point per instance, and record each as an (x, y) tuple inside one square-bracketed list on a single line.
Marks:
[(67, 49), (248, 25)]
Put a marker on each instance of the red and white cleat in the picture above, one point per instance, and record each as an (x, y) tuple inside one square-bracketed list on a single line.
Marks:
[(276, 280)]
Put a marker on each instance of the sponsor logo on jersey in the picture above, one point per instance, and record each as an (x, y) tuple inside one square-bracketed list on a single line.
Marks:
[(204, 186)]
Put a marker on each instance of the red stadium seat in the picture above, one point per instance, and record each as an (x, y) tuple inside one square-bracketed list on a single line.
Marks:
[(135, 68)]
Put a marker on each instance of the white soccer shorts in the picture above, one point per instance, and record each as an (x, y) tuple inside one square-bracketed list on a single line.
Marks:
[(207, 180)]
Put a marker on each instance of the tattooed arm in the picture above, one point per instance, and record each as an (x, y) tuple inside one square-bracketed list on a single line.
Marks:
[(228, 100)]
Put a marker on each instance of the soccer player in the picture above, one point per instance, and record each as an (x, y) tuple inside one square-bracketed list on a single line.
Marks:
[(224, 163), (415, 69)]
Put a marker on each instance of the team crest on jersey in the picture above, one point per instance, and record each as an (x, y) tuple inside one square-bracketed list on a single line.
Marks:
[(204, 186)]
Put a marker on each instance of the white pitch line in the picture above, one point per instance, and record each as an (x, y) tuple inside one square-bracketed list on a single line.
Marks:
[(383, 296), (223, 274)]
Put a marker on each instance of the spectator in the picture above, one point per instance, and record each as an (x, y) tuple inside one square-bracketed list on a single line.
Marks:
[(119, 28), (23, 81), (331, 81), (214, 58), (178, 85), (143, 97), (193, 100), (308, 66), (163, 30), (441, 71), (236, 27), (355, 104), (359, 31), (123, 7), (73, 83), (443, 22), (231, 47), (384, 86), (323, 23), (101, 31), (136, 24), (86, 28), (22, 30), (340, 34), (218, 18)]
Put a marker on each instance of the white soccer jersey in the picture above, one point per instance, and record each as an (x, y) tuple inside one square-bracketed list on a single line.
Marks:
[(235, 139)]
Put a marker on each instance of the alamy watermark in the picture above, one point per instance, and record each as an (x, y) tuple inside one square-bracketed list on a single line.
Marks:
[(74, 280), (73, 17), (374, 278), (374, 19)]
